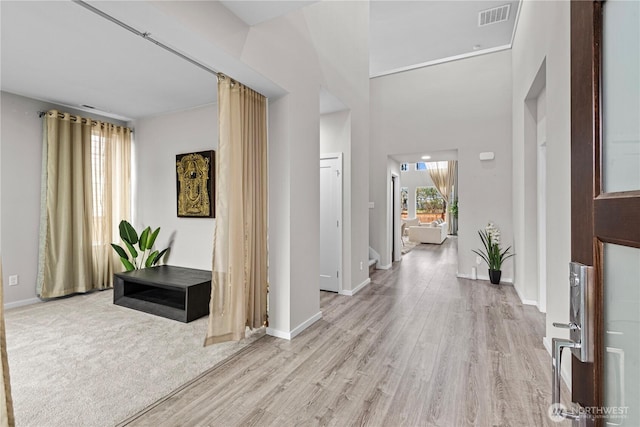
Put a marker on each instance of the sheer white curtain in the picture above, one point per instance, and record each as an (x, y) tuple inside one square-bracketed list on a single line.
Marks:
[(239, 282), (452, 172), (443, 176), (111, 184)]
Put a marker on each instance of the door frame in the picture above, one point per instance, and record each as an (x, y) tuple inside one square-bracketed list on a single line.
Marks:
[(338, 156), (541, 186), (396, 237), (585, 123), (591, 228)]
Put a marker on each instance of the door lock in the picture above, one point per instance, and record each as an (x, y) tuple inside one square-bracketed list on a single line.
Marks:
[(581, 329)]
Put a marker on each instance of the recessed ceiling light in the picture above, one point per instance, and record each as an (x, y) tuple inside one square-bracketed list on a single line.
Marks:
[(426, 157), (476, 46)]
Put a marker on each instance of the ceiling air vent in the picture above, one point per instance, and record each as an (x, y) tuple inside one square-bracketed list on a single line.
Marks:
[(493, 16)]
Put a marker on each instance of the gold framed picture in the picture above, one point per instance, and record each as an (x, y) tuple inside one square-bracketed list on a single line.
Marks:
[(195, 184)]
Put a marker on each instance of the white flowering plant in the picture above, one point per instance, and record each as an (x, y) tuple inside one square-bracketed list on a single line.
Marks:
[(492, 254)]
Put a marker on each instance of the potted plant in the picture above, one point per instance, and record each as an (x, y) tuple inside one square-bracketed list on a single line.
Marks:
[(145, 242), (453, 210), (492, 254)]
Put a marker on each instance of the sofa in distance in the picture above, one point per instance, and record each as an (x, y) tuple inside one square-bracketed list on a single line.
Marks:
[(409, 222), (428, 233)]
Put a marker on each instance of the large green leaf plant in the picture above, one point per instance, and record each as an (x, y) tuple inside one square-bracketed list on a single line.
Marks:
[(129, 236)]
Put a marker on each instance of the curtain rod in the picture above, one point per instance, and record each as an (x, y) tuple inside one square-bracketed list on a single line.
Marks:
[(145, 35), (84, 120)]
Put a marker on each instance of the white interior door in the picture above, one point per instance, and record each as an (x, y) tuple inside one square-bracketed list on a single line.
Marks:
[(330, 224)]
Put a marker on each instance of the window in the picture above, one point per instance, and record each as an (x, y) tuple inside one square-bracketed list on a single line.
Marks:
[(97, 174), (421, 166), (429, 201), (404, 167), (110, 166), (404, 201)]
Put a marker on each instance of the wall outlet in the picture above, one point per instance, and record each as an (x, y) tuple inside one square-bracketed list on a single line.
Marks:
[(13, 280), (361, 265)]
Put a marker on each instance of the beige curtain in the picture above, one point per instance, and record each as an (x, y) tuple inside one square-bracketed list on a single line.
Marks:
[(77, 205), (443, 177), (239, 283), (65, 263), (453, 177), (6, 404)]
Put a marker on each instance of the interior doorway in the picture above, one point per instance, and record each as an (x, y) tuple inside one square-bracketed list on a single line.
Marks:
[(331, 223), (396, 242), (535, 175)]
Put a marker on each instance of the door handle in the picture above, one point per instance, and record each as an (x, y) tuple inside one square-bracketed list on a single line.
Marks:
[(560, 344), (581, 328), (572, 326)]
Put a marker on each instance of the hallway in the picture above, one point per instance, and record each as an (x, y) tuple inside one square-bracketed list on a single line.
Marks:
[(417, 347)]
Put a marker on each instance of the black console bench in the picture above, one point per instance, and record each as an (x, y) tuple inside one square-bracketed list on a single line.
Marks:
[(176, 293)]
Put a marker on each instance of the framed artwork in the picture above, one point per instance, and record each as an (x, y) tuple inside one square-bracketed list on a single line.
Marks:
[(195, 184)]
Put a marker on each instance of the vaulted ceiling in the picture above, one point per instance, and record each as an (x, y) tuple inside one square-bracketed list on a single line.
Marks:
[(412, 34), (63, 53)]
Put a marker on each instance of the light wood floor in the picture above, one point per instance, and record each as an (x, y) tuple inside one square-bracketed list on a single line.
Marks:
[(417, 347)]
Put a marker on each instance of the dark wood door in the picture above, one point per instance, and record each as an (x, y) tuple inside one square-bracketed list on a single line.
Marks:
[(605, 201)]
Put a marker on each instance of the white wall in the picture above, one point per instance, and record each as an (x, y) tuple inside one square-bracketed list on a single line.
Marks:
[(463, 105), (21, 138), (157, 141), (323, 45), (335, 132), (2, 277), (335, 137), (543, 34), (20, 193), (331, 44), (416, 178), (280, 199)]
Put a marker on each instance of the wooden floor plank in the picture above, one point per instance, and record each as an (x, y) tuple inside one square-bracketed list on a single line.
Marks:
[(417, 347)]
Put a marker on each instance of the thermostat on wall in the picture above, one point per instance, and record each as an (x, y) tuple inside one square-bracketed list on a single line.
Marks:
[(487, 155)]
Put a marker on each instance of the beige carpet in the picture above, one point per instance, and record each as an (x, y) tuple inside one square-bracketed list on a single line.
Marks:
[(83, 361)]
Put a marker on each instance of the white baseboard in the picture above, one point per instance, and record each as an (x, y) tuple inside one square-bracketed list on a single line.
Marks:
[(297, 330), (526, 301), (304, 325), (22, 303), (482, 277), (278, 333), (357, 289), (566, 375), (508, 280), (383, 267)]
